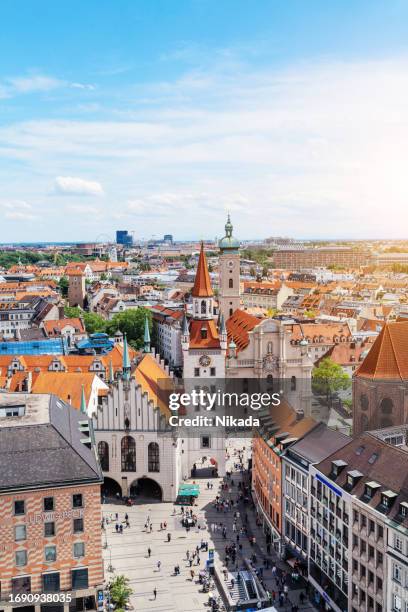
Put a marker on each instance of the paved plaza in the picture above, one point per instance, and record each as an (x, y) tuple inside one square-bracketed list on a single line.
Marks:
[(128, 552)]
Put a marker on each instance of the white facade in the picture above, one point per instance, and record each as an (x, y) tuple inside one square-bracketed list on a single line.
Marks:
[(168, 340), (397, 569), (129, 422), (330, 537), (270, 354)]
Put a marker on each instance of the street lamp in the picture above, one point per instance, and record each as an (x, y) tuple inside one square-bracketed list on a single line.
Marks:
[(110, 566)]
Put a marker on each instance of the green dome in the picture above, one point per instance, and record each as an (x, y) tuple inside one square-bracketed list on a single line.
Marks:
[(228, 242)]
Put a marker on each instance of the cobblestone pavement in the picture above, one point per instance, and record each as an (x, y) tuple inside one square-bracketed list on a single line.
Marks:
[(128, 552)]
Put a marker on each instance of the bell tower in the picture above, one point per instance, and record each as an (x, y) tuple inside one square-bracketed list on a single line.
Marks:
[(229, 284)]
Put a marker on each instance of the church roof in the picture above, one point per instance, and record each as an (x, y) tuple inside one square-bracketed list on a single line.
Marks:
[(202, 284), (154, 381), (238, 326), (387, 358)]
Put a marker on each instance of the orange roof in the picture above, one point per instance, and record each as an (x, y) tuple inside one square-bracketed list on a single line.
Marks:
[(387, 360), (66, 385), (155, 382), (238, 326), (211, 339), (74, 272), (202, 284), (54, 327)]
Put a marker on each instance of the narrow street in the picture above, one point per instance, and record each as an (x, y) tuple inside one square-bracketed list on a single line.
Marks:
[(129, 555)]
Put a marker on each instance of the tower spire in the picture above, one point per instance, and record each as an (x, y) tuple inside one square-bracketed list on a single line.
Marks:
[(126, 361), (83, 401), (146, 338), (202, 284)]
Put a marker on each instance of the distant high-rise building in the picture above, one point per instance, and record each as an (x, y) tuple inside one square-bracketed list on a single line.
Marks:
[(168, 238), (123, 237)]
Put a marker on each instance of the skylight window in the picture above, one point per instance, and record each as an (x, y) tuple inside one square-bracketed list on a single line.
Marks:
[(373, 458)]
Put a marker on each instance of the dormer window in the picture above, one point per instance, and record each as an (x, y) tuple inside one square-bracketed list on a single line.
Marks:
[(370, 489), (387, 499), (403, 509), (352, 478), (337, 466)]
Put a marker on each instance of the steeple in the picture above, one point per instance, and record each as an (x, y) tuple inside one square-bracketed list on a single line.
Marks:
[(202, 284), (126, 361), (228, 243), (146, 338), (83, 401)]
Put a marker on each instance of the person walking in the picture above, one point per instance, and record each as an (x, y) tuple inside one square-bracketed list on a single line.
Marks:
[(155, 593), (158, 566), (149, 552)]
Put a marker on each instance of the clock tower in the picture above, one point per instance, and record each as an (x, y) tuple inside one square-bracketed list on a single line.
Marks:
[(204, 343), (229, 290)]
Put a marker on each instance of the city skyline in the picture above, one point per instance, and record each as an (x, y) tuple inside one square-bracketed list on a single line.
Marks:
[(128, 114)]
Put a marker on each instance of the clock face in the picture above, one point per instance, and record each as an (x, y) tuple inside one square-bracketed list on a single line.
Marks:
[(230, 263), (205, 361)]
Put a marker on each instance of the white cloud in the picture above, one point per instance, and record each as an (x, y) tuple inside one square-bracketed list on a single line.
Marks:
[(33, 83), (18, 210), (71, 185), (317, 149)]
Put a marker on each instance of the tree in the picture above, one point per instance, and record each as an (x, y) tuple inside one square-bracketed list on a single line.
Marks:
[(132, 323), (63, 284), (120, 591), (73, 312), (328, 378), (94, 322)]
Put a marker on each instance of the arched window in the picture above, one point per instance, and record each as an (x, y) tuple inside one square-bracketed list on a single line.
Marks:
[(128, 448), (386, 406), (103, 454), (153, 453), (293, 383), (230, 283), (203, 307)]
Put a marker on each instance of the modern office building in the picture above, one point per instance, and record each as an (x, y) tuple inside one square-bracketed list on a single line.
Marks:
[(123, 237)]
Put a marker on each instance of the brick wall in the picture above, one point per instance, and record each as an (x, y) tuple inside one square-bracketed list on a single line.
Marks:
[(64, 538)]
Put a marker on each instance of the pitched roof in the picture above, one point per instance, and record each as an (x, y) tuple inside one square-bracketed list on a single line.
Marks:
[(66, 385), (238, 326), (55, 327), (43, 447), (387, 359), (154, 381), (202, 284), (375, 460), (211, 339)]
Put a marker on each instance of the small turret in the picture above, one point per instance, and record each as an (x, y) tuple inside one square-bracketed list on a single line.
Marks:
[(185, 334), (83, 401), (126, 368), (223, 333), (146, 337)]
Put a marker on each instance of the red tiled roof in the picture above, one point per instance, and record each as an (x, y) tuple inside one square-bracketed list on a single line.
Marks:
[(210, 341), (238, 326), (387, 360)]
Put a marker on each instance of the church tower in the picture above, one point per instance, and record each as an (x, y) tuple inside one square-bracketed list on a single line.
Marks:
[(204, 345), (229, 290)]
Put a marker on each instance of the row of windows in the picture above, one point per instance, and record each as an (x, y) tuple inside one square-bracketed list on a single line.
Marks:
[(128, 455), (50, 554), (48, 504), (213, 372), (367, 549), (20, 531), (51, 582)]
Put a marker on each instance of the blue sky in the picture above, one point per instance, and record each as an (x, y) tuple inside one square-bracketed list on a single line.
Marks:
[(159, 116)]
